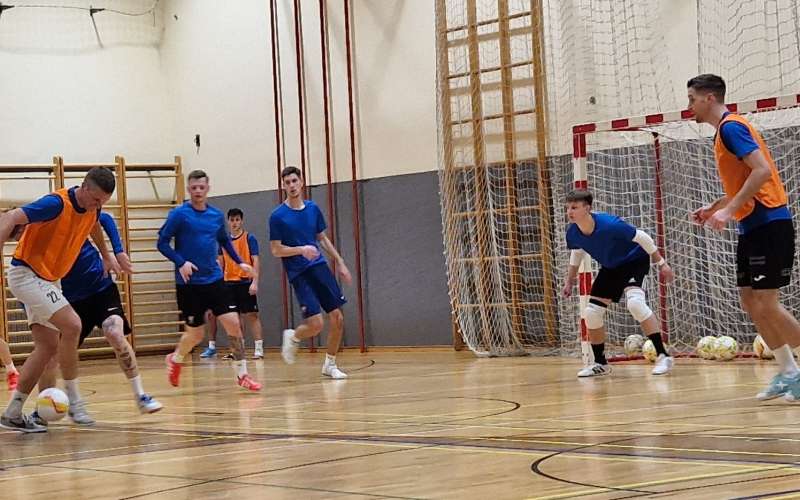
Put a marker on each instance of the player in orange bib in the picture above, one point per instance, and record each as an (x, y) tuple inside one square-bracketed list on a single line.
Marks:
[(756, 199), (56, 227)]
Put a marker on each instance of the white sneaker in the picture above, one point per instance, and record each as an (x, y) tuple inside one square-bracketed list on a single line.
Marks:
[(148, 404), (663, 365), (595, 370), (78, 413), (258, 354), (289, 347), (331, 370)]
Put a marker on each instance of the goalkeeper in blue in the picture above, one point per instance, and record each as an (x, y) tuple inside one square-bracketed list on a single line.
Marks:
[(625, 255)]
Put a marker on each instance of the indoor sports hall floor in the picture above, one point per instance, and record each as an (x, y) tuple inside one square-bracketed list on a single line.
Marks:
[(419, 424)]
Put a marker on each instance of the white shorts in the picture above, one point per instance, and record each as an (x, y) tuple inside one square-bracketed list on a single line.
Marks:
[(42, 298)]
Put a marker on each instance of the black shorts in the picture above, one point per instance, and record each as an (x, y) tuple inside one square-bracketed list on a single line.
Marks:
[(95, 309), (245, 302), (765, 256), (611, 283), (195, 300)]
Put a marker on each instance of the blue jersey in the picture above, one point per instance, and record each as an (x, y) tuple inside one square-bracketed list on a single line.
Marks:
[(198, 235), (87, 276), (296, 228), (46, 208), (611, 243), (737, 139)]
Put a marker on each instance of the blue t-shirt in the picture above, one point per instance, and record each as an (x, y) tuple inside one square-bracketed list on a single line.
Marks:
[(611, 243), (198, 235), (46, 208), (738, 140), (296, 228), (86, 277)]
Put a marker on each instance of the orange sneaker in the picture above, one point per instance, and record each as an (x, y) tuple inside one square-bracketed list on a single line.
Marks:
[(247, 382), (12, 378), (173, 370)]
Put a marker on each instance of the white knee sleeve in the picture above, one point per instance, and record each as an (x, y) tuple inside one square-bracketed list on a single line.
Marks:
[(637, 304), (594, 316)]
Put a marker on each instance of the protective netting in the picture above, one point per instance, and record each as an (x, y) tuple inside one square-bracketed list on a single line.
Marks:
[(624, 173), (495, 200)]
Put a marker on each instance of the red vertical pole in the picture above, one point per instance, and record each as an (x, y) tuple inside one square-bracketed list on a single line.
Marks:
[(277, 105), (661, 240), (298, 46), (323, 32), (354, 174)]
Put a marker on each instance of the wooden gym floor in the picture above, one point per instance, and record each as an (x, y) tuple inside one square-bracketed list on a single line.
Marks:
[(419, 424)]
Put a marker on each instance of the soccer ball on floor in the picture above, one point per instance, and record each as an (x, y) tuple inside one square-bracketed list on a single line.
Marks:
[(52, 404), (725, 348), (706, 346), (633, 345), (649, 351), (761, 348)]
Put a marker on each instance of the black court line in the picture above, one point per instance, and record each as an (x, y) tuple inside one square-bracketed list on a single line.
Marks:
[(766, 495)]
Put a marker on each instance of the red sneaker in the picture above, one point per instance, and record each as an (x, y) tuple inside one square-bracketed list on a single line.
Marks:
[(247, 382), (12, 378), (173, 370)]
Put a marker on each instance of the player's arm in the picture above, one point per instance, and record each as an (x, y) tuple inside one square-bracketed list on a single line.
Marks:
[(110, 228), (278, 249), (224, 240), (9, 222), (702, 214), (165, 235), (646, 242), (328, 247), (576, 256), (109, 260), (759, 174)]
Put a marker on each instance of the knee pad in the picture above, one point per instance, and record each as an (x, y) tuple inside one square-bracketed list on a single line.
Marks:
[(637, 304), (594, 316)]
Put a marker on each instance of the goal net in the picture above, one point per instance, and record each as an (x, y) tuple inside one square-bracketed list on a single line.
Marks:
[(653, 171)]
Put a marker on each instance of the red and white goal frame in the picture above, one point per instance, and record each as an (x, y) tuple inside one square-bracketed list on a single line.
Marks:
[(580, 178)]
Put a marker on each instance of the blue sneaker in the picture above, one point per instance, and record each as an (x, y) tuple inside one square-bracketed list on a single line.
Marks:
[(778, 387), (793, 391), (209, 353), (148, 404)]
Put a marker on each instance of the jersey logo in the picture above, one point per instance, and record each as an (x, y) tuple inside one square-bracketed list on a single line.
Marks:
[(758, 278), (632, 280)]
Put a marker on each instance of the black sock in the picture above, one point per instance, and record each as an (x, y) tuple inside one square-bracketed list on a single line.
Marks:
[(598, 350), (658, 343)]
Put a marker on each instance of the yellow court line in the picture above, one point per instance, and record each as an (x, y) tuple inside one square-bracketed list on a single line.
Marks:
[(784, 497)]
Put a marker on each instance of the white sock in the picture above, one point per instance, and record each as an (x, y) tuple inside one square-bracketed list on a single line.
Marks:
[(136, 384), (785, 359), (73, 393), (14, 408), (10, 367), (212, 344), (259, 345), (240, 368), (177, 357), (330, 360)]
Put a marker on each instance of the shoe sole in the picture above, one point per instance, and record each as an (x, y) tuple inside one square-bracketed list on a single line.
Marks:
[(145, 411), (26, 431)]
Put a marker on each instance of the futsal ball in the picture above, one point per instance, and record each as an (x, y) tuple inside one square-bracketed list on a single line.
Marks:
[(633, 345), (649, 351), (761, 348), (725, 348), (52, 404), (705, 347)]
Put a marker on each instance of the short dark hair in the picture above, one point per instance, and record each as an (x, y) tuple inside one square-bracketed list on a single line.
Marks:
[(196, 174), (708, 83), (235, 212), (102, 178), (583, 195), (287, 171)]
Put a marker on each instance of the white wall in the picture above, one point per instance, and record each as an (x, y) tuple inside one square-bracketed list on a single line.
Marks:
[(65, 95), (218, 65)]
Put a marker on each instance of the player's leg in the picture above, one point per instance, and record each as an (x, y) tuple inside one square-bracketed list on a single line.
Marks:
[(636, 302), (331, 299), (193, 304), (115, 327), (312, 314), (12, 375), (211, 350), (69, 324), (223, 300), (606, 288), (252, 323), (249, 317)]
